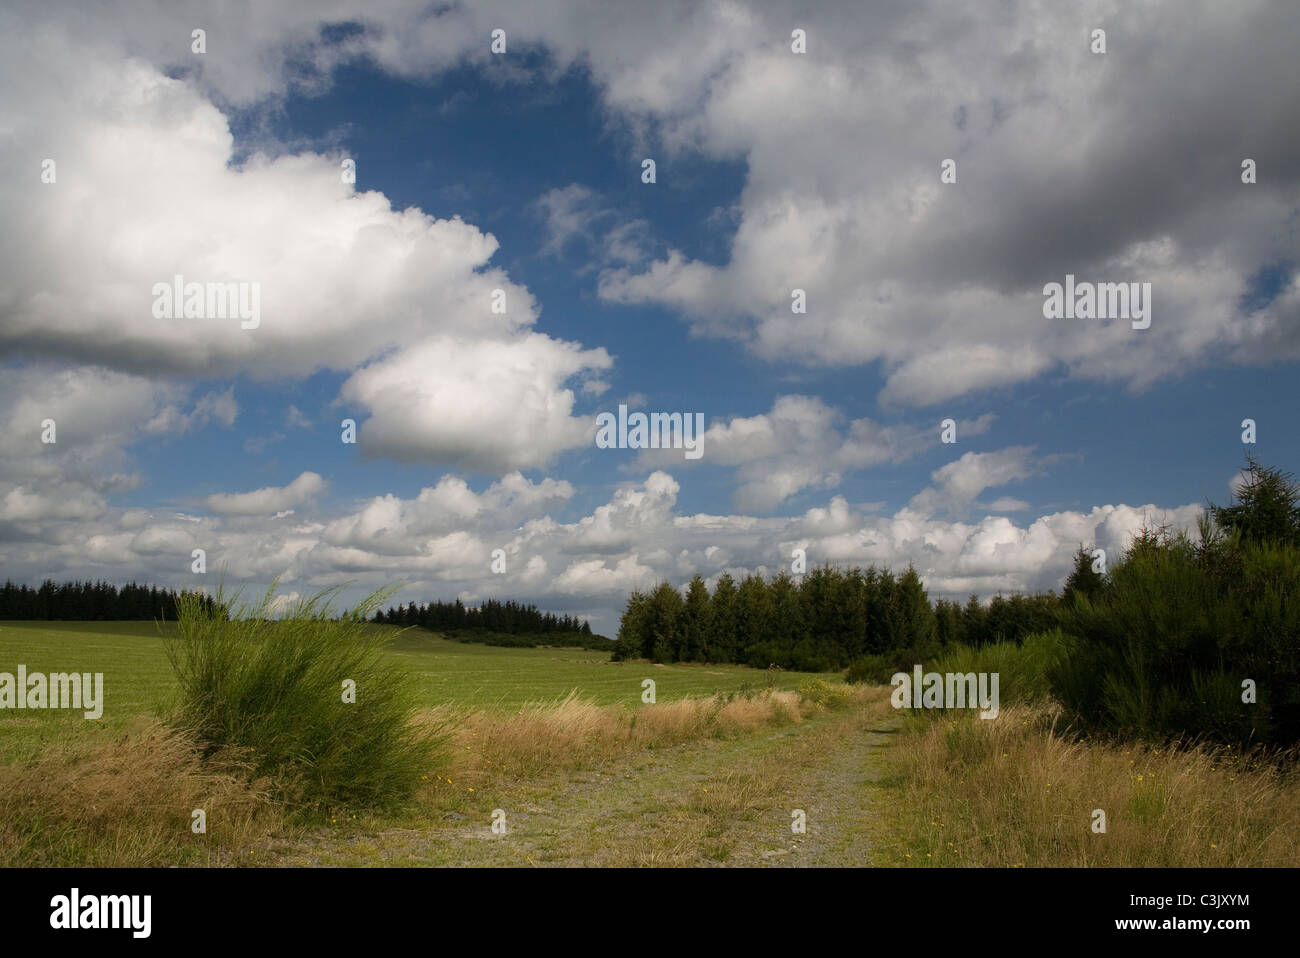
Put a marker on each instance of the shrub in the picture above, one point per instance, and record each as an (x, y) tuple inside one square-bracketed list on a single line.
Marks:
[(761, 655), (1163, 650), (876, 668), (275, 688), (1023, 668)]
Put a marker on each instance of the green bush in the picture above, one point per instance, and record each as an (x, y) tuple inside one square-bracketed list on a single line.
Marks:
[(1023, 668), (876, 668), (275, 688), (1163, 650)]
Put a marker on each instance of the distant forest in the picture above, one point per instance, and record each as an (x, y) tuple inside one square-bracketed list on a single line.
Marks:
[(825, 619), (495, 623), (87, 601)]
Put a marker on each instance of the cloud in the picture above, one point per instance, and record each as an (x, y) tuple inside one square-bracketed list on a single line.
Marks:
[(267, 499), (575, 215), (284, 603), (800, 445), (1110, 168), (394, 526), (1008, 504), (597, 576), (960, 482), (95, 415), (258, 444), (219, 407), (55, 501), (480, 405), (569, 212), (939, 284), (439, 542), (346, 282), (942, 284), (342, 275)]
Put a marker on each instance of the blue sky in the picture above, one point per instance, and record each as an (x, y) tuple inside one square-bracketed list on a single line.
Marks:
[(522, 171)]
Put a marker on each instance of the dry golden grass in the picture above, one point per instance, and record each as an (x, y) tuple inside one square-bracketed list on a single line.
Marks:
[(1014, 792), (574, 732), (127, 802)]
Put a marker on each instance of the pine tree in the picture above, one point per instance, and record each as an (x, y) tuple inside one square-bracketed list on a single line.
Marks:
[(788, 619), (915, 615), (753, 616), (697, 624), (975, 622), (631, 642), (1265, 507), (665, 623), (1083, 580), (722, 640)]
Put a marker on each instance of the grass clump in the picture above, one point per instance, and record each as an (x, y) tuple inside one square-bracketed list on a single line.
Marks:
[(278, 689), (127, 800), (1016, 791)]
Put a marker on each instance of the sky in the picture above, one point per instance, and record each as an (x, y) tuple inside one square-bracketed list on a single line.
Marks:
[(460, 251)]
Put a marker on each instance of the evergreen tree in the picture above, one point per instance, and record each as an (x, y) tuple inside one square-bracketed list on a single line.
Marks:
[(634, 641), (947, 616), (1082, 579), (753, 615), (697, 622), (665, 623), (915, 617), (722, 641), (975, 623), (1265, 507)]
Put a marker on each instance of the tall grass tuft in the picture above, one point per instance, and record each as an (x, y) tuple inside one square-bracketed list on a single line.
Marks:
[(275, 687), (125, 801), (1015, 791)]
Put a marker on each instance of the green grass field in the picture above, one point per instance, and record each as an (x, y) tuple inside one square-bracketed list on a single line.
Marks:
[(582, 788), (138, 678)]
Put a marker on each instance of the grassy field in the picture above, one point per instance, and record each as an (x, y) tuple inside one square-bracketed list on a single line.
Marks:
[(138, 679), (1021, 792), (524, 727), (598, 778)]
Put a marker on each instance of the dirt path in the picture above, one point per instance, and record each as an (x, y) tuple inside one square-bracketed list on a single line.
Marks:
[(714, 802), (841, 797)]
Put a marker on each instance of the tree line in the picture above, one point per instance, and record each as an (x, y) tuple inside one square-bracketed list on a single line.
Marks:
[(1181, 638), (823, 620), (492, 615), (88, 601)]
